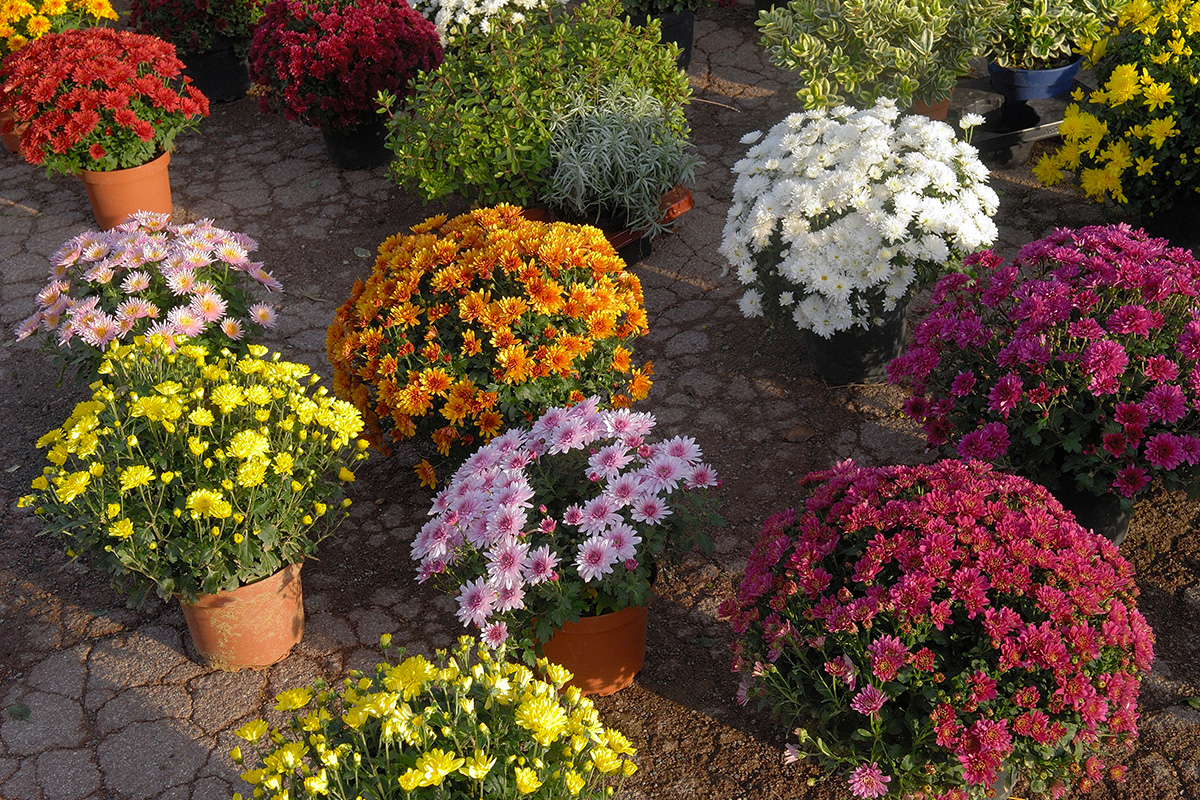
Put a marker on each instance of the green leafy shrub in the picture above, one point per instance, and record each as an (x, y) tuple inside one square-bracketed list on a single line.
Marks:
[(857, 51), (482, 124)]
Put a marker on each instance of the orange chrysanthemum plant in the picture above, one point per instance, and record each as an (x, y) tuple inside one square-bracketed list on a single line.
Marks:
[(470, 325)]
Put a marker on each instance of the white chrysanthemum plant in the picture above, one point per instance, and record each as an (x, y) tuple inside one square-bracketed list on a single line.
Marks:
[(564, 519), (840, 214), (458, 19)]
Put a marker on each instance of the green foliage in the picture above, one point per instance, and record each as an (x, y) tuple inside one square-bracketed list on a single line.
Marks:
[(481, 124), (856, 51), (1035, 34), (617, 155), (658, 8)]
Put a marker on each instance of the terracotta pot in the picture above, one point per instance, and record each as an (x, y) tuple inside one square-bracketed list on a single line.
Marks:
[(117, 194), (253, 626), (12, 139), (603, 652), (936, 112)]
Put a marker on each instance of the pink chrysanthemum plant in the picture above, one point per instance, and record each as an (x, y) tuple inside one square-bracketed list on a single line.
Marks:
[(929, 628), (564, 519), (148, 277), (1077, 365)]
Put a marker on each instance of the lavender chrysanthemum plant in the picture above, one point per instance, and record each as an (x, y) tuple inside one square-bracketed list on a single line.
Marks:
[(146, 277), (1077, 365), (565, 519), (926, 628)]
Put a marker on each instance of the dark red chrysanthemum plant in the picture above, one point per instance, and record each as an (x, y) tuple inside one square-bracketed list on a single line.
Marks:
[(324, 62)]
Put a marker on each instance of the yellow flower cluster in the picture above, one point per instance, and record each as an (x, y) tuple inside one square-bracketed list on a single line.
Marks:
[(197, 474), (1132, 140), (470, 324), (469, 724), (22, 21)]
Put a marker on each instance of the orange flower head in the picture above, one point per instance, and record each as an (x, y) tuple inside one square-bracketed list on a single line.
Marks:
[(515, 363), (639, 385), (471, 345), (490, 423), (436, 381), (503, 338), (620, 360), (426, 473), (444, 438)]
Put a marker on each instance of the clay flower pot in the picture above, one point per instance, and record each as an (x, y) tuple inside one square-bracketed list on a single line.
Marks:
[(253, 626), (603, 652), (117, 194)]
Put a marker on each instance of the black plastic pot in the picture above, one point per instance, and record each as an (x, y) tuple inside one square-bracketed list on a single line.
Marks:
[(1100, 513), (363, 146), (221, 73), (859, 355), (677, 27), (1179, 224)]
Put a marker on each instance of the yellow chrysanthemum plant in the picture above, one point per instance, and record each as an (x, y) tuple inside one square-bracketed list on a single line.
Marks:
[(467, 724), (470, 325), (22, 21), (190, 472), (1136, 139)]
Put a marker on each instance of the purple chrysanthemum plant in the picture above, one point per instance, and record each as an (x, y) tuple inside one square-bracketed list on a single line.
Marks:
[(1077, 365)]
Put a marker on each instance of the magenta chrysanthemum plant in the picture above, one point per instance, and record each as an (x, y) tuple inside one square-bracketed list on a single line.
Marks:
[(147, 276), (565, 519), (925, 626), (1080, 358)]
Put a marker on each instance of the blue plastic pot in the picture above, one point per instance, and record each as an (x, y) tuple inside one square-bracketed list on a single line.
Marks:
[(1032, 84)]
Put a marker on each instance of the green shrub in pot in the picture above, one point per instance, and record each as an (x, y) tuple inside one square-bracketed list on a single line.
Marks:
[(857, 51), (481, 124), (615, 154), (1040, 34)]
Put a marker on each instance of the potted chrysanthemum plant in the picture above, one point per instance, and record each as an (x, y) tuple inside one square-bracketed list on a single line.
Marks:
[(553, 534), (1072, 365), (145, 277), (942, 630), (206, 476), (840, 215), (104, 105), (470, 325), (466, 723)]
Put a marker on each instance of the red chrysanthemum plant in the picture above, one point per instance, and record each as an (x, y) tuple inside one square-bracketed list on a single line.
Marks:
[(98, 99), (926, 630)]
